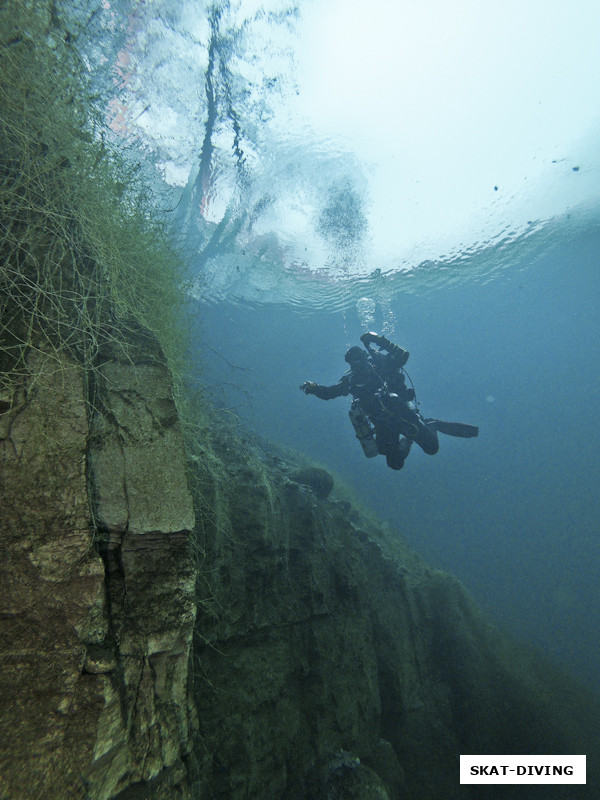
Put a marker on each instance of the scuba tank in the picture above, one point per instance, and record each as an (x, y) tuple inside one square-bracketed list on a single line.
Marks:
[(363, 430)]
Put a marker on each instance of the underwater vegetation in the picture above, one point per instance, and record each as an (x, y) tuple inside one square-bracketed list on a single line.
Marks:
[(187, 611), (85, 257)]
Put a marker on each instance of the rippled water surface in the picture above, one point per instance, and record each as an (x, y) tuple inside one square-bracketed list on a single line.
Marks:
[(318, 151), (430, 170)]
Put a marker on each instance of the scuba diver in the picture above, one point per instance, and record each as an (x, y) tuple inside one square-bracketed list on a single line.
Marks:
[(384, 410)]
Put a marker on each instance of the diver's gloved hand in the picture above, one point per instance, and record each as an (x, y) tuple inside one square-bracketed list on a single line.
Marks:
[(308, 387), (375, 338)]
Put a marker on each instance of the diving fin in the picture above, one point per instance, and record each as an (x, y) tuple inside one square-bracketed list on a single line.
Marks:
[(460, 429)]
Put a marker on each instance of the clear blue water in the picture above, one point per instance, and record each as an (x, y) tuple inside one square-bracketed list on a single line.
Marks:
[(449, 200), (515, 513)]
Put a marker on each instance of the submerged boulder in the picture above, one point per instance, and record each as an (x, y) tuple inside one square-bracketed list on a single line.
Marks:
[(317, 479)]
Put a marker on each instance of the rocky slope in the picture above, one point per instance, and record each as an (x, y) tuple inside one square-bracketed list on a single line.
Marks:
[(281, 645), (336, 664), (217, 626)]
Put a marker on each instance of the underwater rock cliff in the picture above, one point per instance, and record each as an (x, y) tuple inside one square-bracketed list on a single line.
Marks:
[(98, 599), (210, 621), (328, 660), (334, 663)]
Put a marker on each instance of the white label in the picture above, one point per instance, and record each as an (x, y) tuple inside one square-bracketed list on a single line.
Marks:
[(522, 769)]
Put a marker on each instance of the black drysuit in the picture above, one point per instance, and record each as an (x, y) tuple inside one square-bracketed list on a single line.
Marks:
[(378, 384)]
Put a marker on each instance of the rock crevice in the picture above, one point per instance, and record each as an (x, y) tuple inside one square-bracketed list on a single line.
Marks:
[(99, 607), (283, 646)]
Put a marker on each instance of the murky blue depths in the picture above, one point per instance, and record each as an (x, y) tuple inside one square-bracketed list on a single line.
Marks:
[(515, 513)]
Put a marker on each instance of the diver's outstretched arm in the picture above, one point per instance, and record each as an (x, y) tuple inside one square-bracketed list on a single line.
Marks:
[(326, 392)]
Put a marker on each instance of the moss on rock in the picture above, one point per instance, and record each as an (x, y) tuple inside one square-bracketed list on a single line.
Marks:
[(325, 634)]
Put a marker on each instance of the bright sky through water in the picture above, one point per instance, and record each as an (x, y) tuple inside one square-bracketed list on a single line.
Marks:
[(444, 100)]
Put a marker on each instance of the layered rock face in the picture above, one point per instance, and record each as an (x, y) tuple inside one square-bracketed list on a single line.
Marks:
[(97, 603), (328, 660)]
